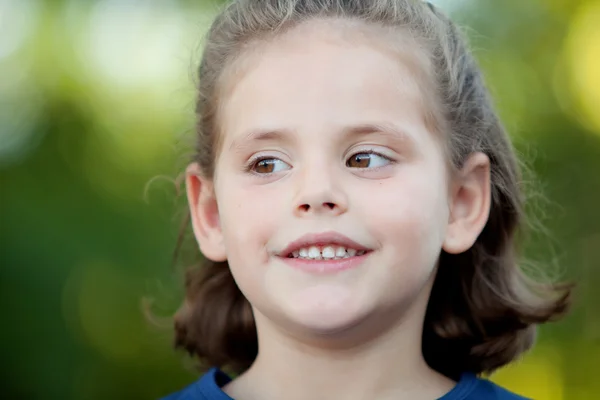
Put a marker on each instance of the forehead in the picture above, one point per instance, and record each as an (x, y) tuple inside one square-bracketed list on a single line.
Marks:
[(326, 74)]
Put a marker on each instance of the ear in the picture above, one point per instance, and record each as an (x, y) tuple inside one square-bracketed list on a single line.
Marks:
[(204, 214), (470, 198)]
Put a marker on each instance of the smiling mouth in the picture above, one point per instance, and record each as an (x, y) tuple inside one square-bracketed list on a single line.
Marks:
[(327, 252)]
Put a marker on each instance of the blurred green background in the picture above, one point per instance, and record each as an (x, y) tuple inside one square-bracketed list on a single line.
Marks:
[(96, 122)]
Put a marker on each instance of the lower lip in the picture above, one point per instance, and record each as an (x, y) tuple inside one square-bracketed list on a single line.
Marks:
[(326, 266)]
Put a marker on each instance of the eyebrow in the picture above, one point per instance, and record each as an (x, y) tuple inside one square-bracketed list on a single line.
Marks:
[(351, 131), (261, 135), (380, 127)]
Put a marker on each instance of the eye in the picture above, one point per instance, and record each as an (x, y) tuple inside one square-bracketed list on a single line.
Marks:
[(268, 165), (367, 159)]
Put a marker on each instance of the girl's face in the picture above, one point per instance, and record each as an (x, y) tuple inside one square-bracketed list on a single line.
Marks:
[(326, 152)]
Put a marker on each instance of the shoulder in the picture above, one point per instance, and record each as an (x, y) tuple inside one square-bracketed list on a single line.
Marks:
[(471, 387), (208, 387)]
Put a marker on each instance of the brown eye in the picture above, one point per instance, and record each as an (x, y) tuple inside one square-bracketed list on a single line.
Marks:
[(269, 165), (361, 160), (367, 160)]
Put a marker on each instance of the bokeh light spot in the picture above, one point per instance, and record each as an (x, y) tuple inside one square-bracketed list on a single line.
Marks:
[(17, 23), (582, 52), (131, 43)]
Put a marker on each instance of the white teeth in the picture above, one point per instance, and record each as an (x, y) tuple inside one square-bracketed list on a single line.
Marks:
[(331, 252), (328, 252), (314, 252)]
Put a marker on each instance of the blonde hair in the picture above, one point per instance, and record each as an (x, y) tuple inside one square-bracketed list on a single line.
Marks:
[(483, 310)]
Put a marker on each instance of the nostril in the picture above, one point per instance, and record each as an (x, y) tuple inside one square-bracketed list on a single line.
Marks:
[(327, 205)]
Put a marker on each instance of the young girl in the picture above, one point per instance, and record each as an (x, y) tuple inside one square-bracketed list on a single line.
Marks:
[(357, 200)]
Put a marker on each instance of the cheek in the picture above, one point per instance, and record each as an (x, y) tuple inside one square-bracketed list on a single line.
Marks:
[(247, 222), (248, 216), (410, 211)]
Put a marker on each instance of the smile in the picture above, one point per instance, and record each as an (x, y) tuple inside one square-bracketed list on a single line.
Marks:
[(328, 252), (323, 265)]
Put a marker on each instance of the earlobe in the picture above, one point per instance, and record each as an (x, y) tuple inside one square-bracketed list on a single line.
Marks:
[(470, 201), (204, 214)]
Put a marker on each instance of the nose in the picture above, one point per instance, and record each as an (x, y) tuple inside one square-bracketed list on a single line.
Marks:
[(320, 192)]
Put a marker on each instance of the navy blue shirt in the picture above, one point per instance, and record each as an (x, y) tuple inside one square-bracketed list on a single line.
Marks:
[(469, 387)]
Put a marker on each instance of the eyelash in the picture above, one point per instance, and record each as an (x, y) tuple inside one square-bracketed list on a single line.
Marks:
[(371, 151), (252, 163)]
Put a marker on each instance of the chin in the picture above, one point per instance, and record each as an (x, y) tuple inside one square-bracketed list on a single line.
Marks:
[(324, 323), (326, 316), (334, 331)]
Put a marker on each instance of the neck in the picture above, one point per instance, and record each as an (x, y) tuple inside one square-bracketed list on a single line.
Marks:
[(385, 366)]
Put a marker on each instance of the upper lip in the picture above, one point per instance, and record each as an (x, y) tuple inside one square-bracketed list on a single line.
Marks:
[(321, 239)]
